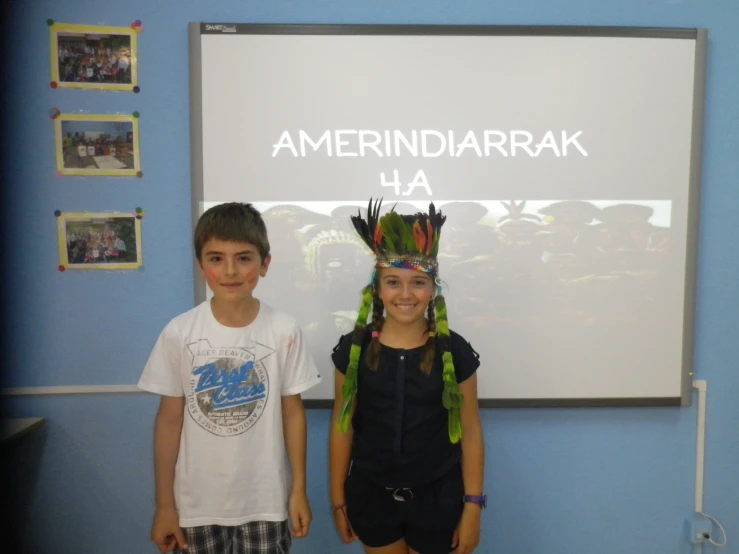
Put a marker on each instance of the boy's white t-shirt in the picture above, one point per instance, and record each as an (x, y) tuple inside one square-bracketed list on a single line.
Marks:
[(231, 465)]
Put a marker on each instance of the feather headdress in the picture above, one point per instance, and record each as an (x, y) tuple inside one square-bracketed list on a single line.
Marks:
[(410, 242)]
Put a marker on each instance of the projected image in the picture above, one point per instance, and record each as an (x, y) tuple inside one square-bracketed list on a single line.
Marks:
[(576, 263), (504, 263)]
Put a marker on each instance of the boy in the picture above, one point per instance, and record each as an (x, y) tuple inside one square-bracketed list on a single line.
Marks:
[(230, 373)]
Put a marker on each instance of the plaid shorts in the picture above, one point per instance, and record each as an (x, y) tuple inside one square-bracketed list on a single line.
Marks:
[(255, 537)]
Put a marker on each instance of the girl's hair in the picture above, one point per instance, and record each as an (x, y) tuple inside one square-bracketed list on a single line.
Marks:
[(429, 351), (378, 320)]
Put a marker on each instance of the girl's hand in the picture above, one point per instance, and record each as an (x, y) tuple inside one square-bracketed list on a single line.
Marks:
[(467, 534), (343, 526)]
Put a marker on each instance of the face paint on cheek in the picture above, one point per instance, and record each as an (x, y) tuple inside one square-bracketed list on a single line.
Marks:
[(250, 277), (210, 273)]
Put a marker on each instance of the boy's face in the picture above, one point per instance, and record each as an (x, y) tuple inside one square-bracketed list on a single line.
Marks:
[(232, 269)]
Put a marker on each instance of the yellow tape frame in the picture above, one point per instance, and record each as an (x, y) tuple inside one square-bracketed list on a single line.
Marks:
[(96, 171), (57, 28), (66, 217)]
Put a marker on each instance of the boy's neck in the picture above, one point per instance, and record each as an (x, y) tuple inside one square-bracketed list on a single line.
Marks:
[(235, 314), (404, 336)]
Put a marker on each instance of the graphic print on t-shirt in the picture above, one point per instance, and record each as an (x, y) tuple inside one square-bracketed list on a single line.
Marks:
[(229, 386)]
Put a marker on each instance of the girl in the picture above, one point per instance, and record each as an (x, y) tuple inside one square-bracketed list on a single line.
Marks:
[(406, 447)]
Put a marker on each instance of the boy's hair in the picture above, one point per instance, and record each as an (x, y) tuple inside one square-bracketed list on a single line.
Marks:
[(233, 222)]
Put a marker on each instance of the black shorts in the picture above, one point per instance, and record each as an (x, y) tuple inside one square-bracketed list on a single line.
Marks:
[(426, 517)]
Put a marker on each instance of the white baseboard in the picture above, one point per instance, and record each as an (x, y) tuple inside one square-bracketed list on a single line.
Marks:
[(76, 389)]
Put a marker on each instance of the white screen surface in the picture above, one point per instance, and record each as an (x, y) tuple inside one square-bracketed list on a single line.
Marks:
[(563, 165)]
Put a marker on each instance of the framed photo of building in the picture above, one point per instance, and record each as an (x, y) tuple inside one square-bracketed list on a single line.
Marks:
[(97, 144), (93, 57), (99, 241)]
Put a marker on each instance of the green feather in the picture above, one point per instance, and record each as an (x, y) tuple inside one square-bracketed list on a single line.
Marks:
[(442, 324), (388, 235), (451, 396), (409, 241), (392, 225), (455, 425)]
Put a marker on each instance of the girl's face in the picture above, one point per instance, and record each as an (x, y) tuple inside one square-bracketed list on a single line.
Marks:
[(406, 294)]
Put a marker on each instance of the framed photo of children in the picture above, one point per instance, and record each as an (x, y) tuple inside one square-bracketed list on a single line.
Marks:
[(93, 57), (99, 240), (97, 144)]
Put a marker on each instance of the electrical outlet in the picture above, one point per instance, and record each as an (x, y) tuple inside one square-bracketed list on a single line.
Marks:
[(699, 530)]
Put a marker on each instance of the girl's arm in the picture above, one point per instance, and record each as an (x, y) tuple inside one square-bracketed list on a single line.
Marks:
[(340, 446), (473, 447), (340, 452), (467, 536)]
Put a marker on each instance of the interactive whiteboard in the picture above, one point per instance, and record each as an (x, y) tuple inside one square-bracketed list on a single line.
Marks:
[(567, 161)]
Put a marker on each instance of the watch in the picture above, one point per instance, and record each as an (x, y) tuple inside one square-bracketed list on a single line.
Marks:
[(481, 500)]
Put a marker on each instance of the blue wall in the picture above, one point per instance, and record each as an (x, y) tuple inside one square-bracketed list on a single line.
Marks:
[(609, 481)]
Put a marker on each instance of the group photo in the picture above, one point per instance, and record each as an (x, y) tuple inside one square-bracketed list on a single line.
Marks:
[(93, 57), (99, 241), (104, 145)]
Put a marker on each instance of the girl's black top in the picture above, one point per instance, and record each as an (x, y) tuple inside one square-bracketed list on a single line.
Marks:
[(401, 429)]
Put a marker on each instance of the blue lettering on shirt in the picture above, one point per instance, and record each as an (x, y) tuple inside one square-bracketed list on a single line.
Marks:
[(229, 384)]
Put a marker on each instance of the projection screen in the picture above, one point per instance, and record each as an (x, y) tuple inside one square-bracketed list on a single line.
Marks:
[(567, 161)]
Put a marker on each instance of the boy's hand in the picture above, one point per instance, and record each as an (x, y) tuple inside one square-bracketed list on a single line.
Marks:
[(166, 531), (344, 527), (300, 514)]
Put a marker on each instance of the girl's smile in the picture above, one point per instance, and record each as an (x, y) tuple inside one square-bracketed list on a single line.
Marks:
[(406, 294)]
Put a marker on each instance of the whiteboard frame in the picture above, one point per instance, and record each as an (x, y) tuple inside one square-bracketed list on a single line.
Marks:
[(698, 35)]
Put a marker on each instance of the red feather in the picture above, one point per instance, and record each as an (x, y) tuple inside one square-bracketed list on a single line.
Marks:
[(419, 237), (378, 234), (429, 237)]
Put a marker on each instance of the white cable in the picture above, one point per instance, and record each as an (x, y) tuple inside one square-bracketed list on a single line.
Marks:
[(700, 448), (700, 443), (723, 532)]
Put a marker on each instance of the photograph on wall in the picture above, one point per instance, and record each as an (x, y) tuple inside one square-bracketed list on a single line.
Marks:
[(99, 241), (93, 57), (97, 144)]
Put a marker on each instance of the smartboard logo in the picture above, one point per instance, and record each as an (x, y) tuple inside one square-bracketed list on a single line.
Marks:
[(221, 28)]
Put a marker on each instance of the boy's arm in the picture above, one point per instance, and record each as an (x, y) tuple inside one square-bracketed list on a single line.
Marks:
[(167, 432), (166, 532), (294, 430)]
